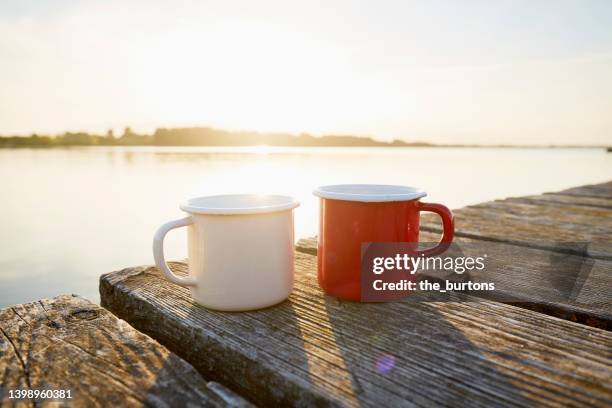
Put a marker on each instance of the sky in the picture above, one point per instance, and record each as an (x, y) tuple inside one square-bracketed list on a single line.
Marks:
[(488, 72)]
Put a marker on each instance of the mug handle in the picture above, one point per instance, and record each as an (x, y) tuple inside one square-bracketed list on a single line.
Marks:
[(448, 224), (158, 252)]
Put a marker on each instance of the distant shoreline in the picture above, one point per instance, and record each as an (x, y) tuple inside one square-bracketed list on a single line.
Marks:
[(448, 146), (210, 137)]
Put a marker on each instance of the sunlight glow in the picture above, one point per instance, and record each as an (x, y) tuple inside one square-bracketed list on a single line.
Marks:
[(381, 69), (249, 74)]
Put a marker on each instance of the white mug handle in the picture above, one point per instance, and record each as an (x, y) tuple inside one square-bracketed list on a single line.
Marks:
[(158, 252)]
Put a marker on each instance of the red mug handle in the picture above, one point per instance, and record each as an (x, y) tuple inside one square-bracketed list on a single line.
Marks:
[(448, 224)]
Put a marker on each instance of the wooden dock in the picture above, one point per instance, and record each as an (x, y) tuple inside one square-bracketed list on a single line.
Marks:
[(537, 348), (68, 343), (543, 339)]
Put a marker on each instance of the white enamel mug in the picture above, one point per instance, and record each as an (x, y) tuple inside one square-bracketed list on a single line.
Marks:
[(240, 250)]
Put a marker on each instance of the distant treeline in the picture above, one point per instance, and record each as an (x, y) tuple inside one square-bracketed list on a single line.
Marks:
[(128, 138), (197, 136)]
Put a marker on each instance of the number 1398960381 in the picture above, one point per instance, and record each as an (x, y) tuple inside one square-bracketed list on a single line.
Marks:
[(39, 394)]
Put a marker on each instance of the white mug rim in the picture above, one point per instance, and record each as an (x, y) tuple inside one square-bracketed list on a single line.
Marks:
[(368, 193), (233, 204)]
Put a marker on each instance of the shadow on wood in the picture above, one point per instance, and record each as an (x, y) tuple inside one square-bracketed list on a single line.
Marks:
[(316, 350), (559, 284)]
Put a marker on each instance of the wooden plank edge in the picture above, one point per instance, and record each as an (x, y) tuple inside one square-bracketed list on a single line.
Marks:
[(538, 201), (527, 244)]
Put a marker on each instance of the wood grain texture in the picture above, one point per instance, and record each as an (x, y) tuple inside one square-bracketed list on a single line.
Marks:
[(560, 200), (69, 343), (307, 245), (602, 190), (314, 350), (567, 286), (540, 222)]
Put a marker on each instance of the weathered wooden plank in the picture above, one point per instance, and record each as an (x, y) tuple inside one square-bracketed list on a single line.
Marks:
[(560, 200), (317, 350), (567, 286), (602, 190), (307, 245), (571, 229), (69, 343)]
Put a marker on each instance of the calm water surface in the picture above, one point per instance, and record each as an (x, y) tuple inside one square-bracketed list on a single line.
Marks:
[(69, 215)]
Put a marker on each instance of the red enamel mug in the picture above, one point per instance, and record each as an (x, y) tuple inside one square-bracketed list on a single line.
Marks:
[(352, 214)]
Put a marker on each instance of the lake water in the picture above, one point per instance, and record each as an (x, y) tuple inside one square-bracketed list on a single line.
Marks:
[(69, 215)]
